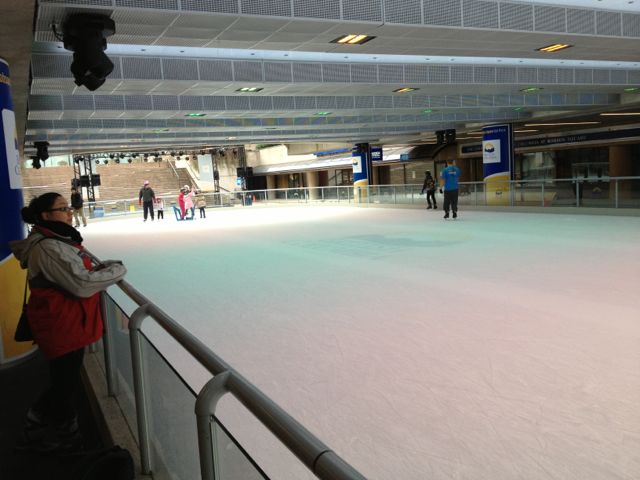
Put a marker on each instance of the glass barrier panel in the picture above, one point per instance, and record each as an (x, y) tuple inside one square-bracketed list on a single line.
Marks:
[(173, 434), (329, 194), (527, 194), (119, 327), (233, 463), (628, 191), (478, 193), (465, 194), (401, 194), (597, 193), (314, 194), (560, 193), (345, 194)]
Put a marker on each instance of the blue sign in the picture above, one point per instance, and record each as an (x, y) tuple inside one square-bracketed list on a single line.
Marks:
[(497, 150), (376, 154), (497, 161)]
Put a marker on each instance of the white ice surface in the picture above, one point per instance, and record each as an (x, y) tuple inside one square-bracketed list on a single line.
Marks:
[(498, 346)]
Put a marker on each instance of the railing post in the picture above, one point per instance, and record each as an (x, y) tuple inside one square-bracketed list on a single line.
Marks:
[(205, 410), (543, 193), (109, 355), (512, 193), (135, 337), (577, 193), (286, 194), (616, 193), (322, 193), (475, 194)]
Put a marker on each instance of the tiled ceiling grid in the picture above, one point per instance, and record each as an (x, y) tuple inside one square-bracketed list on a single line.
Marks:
[(147, 94)]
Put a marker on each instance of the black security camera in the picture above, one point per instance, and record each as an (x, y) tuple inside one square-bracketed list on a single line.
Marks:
[(85, 35), (42, 150)]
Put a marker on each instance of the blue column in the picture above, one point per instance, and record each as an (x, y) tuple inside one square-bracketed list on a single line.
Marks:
[(497, 161), (361, 154), (12, 277)]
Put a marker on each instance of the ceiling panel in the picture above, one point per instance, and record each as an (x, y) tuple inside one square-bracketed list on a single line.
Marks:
[(211, 49)]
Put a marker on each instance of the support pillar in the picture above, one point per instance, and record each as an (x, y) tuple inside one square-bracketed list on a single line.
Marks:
[(12, 277), (361, 172), (311, 181), (620, 165), (271, 186)]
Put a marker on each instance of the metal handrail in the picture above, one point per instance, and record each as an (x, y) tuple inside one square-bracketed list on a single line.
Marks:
[(313, 453), (174, 170)]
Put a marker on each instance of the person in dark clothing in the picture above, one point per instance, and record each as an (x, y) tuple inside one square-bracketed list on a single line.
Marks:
[(449, 181), (78, 211), (430, 186), (147, 198)]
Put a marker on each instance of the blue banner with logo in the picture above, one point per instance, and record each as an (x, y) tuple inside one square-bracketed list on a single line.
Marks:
[(12, 277), (497, 161)]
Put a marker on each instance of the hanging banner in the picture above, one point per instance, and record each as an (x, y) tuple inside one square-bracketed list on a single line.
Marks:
[(497, 161), (12, 277)]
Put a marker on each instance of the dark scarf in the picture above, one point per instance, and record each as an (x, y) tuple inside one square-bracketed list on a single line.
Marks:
[(64, 230)]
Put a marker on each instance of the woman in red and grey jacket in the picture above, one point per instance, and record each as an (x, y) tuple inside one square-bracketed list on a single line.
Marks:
[(63, 312)]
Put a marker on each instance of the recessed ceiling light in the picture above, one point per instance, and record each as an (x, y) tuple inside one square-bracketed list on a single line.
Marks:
[(249, 89), (352, 39), (554, 47), (405, 90), (531, 89), (195, 114), (559, 123)]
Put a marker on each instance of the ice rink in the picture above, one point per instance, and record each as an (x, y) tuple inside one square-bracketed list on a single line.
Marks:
[(497, 346)]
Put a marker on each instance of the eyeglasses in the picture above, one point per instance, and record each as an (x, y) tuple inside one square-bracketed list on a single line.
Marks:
[(61, 209)]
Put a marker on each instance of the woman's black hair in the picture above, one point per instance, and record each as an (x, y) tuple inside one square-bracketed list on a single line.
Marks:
[(32, 213)]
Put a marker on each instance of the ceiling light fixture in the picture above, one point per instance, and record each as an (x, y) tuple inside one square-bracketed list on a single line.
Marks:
[(525, 131), (249, 89), (531, 89), (428, 110), (631, 89), (559, 123), (322, 114), (554, 48), (405, 90), (352, 39), (195, 114), (620, 114)]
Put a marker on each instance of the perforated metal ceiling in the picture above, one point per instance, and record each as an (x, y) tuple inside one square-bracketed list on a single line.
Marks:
[(144, 102)]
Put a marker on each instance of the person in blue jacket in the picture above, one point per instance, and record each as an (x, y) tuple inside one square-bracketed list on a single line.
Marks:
[(449, 182)]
